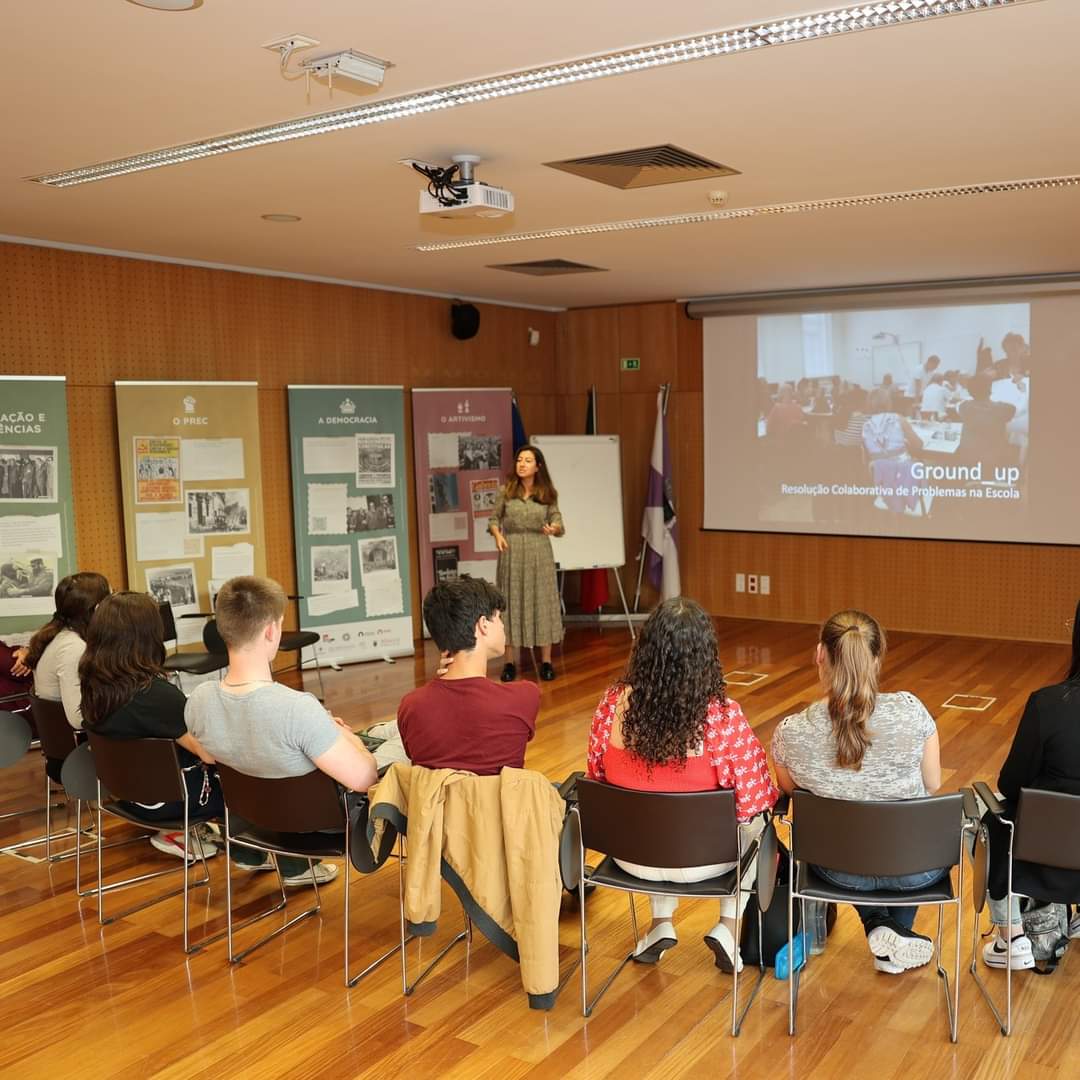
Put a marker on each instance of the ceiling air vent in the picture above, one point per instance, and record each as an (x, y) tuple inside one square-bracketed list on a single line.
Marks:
[(645, 167), (549, 267)]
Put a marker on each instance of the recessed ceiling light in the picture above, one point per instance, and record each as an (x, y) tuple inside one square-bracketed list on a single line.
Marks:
[(834, 22), (168, 5), (844, 202), (287, 218)]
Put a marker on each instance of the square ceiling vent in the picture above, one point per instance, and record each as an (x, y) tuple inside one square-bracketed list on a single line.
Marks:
[(549, 267), (644, 167)]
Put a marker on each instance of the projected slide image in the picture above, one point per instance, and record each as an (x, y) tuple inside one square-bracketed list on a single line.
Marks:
[(915, 412)]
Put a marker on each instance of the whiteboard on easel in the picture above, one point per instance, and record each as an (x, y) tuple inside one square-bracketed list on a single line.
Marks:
[(587, 472)]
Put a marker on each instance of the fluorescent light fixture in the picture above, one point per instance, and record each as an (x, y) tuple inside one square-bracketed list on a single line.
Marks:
[(844, 202), (848, 19)]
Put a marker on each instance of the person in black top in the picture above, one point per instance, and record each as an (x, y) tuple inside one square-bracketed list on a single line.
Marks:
[(1045, 754), (126, 695)]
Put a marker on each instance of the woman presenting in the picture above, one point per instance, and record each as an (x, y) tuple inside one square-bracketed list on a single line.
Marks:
[(526, 517)]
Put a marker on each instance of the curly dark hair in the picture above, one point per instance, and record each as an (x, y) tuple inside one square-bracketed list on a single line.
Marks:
[(674, 673)]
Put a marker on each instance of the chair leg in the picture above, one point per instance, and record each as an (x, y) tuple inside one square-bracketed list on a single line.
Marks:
[(792, 987), (231, 928), (738, 1017), (587, 1006), (407, 988), (318, 669)]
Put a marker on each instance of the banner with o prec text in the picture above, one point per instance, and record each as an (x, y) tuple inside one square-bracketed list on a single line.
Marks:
[(462, 450), (37, 522), (350, 518)]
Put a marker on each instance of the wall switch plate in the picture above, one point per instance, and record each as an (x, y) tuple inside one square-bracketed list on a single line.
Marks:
[(751, 583), (740, 583), (764, 584)]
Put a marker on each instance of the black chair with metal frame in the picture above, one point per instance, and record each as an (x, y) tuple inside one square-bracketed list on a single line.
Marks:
[(188, 663), (1045, 833), (878, 839), (56, 740), (669, 830), (15, 739), (143, 771), (302, 816)]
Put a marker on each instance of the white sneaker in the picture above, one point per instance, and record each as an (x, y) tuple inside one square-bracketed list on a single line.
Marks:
[(655, 943), (1074, 926), (321, 873), (722, 942), (994, 953), (901, 946), (889, 967), (172, 843)]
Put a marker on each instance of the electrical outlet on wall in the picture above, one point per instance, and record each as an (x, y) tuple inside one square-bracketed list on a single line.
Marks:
[(740, 583), (764, 584), (751, 583)]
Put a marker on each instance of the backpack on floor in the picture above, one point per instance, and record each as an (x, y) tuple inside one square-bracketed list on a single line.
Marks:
[(775, 920), (1047, 928)]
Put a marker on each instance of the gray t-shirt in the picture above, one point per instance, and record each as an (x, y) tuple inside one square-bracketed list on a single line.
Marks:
[(271, 731), (891, 767)]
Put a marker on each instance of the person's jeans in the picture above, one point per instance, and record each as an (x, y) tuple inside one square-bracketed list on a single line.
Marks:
[(289, 865), (873, 915)]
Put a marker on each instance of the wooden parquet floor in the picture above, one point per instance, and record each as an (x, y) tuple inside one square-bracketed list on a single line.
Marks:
[(79, 1000)]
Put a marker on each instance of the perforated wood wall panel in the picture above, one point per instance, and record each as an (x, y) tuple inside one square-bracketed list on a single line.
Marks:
[(98, 318)]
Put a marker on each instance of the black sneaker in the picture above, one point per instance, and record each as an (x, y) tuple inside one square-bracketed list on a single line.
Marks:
[(509, 673), (547, 672)]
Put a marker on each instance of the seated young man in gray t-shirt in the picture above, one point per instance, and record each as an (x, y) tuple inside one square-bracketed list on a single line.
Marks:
[(259, 727)]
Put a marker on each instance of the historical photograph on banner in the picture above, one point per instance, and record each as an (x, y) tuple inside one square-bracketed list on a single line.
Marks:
[(173, 585), (331, 568), (380, 576), (374, 461), (27, 474), (479, 452), (445, 562), (367, 513), (444, 492), (484, 493), (25, 574), (157, 469), (219, 513)]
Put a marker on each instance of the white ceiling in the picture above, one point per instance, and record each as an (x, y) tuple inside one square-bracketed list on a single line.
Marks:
[(989, 96)]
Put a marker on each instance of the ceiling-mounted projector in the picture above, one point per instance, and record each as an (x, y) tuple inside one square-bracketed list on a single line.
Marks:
[(454, 191)]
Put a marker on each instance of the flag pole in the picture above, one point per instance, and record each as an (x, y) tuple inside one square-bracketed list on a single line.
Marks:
[(665, 388)]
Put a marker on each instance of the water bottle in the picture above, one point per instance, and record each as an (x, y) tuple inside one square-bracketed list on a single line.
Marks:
[(816, 929)]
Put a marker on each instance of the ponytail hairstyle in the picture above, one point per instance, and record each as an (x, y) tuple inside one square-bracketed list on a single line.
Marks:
[(854, 645), (76, 597)]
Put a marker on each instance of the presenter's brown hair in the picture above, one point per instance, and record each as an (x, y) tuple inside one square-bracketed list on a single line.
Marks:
[(854, 645), (543, 489)]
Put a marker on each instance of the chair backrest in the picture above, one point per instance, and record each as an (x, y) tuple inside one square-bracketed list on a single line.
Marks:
[(1048, 829), (663, 829), (212, 640), (138, 770), (168, 621), (293, 804), (15, 738), (57, 736), (881, 839)]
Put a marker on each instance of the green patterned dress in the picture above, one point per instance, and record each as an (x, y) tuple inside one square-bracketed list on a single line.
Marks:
[(526, 572)]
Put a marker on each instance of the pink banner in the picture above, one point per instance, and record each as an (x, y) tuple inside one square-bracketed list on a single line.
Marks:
[(462, 449)]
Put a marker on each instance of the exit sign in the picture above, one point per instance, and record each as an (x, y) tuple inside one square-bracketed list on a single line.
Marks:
[(631, 363)]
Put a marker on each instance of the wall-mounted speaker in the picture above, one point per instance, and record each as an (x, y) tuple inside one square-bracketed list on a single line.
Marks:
[(464, 321)]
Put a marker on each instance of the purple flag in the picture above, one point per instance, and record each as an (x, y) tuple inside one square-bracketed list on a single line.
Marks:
[(658, 523)]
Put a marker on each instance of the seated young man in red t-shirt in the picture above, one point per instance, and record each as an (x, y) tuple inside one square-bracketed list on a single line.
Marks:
[(464, 720)]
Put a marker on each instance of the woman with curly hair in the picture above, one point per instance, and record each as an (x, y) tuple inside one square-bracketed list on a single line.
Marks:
[(667, 725)]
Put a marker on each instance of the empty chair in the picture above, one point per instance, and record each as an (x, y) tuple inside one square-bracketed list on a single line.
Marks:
[(189, 663)]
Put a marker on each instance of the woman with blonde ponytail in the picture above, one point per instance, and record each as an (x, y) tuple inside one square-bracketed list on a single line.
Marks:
[(857, 743)]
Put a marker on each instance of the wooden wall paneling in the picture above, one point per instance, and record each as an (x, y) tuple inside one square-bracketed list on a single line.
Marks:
[(589, 351), (277, 494), (647, 331)]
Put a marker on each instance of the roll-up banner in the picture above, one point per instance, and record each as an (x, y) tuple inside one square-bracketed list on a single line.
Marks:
[(191, 477), (37, 524), (350, 514), (462, 449)]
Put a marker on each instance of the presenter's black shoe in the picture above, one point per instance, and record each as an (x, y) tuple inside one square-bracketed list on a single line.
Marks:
[(509, 673), (547, 672)]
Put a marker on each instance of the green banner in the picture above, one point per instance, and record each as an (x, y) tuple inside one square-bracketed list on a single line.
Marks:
[(37, 522), (350, 513)]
